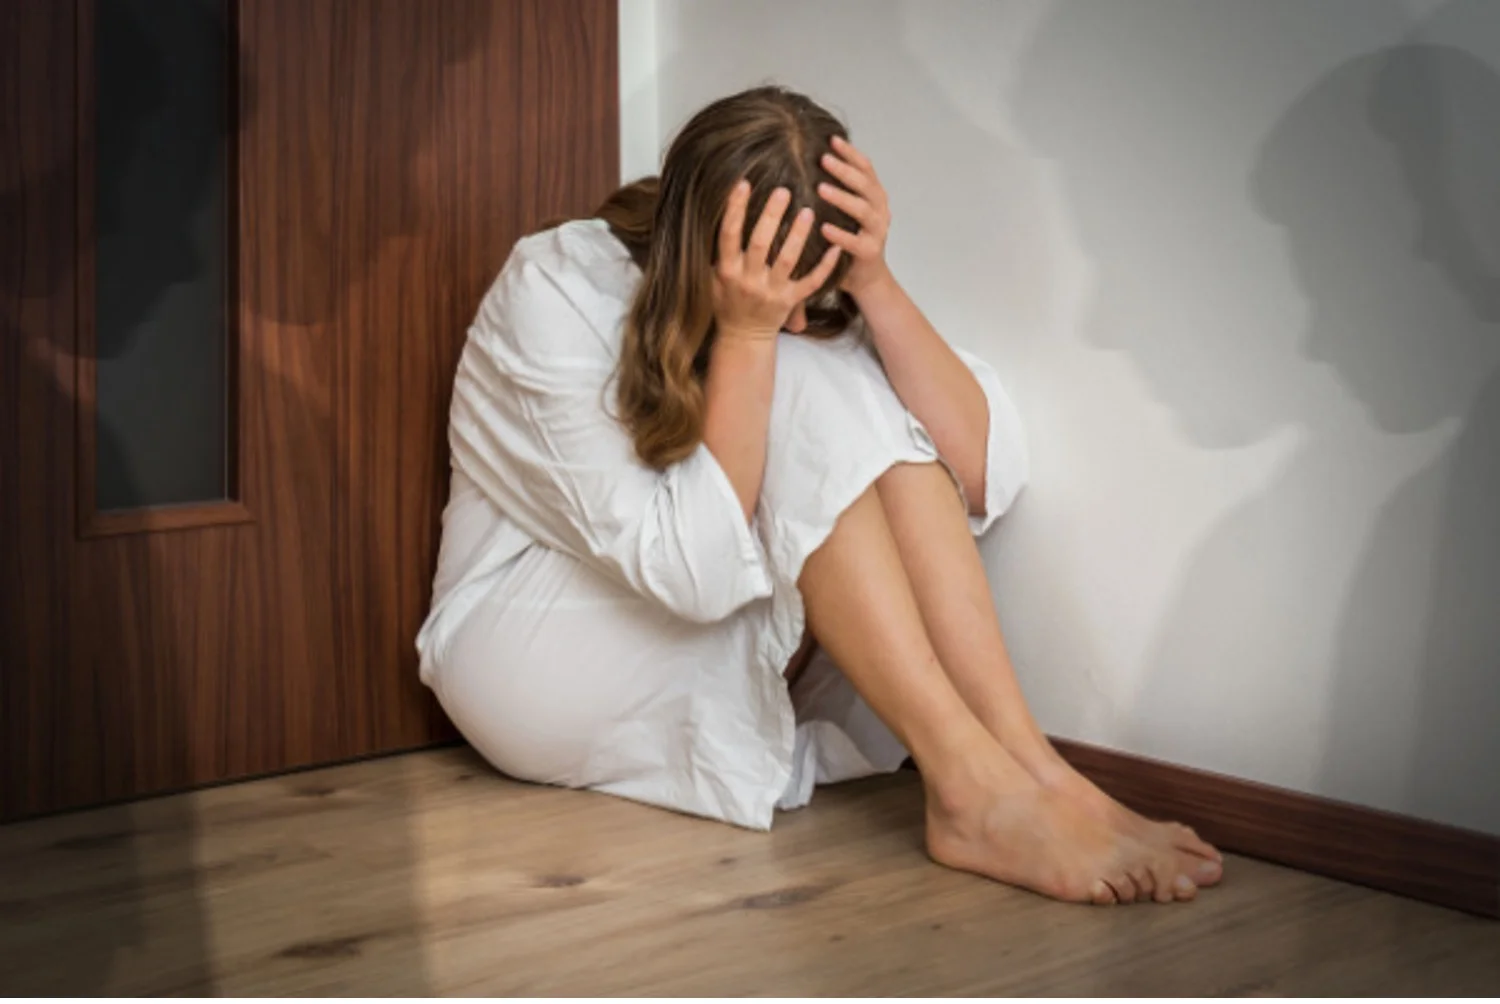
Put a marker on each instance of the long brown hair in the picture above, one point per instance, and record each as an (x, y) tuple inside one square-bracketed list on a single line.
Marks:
[(774, 138)]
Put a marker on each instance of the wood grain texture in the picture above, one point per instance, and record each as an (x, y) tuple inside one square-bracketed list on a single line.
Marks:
[(153, 519), (391, 396), (1413, 857), (380, 175), (37, 224), (569, 82), (85, 321), (279, 703), (429, 874), (483, 140)]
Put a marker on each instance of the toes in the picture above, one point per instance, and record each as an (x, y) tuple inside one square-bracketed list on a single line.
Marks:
[(1124, 888), (1145, 885), (1188, 840), (1207, 872), (1165, 874), (1203, 871), (1102, 894), (1172, 884), (1196, 858)]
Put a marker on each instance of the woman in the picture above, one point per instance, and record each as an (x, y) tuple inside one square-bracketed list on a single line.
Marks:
[(691, 429)]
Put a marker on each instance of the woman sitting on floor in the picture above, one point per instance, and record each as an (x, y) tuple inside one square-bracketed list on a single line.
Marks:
[(696, 432)]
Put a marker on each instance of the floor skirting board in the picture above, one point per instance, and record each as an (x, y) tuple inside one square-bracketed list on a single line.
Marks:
[(1412, 857)]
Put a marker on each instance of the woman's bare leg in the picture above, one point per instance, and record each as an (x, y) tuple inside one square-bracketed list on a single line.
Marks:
[(985, 813), (947, 576)]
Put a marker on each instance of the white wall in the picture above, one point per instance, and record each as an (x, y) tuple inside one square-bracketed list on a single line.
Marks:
[(640, 124), (1240, 263)]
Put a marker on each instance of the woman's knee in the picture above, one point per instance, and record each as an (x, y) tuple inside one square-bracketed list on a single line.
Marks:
[(927, 486)]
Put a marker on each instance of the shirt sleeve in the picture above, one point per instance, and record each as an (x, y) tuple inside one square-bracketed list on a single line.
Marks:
[(1007, 462), (531, 426)]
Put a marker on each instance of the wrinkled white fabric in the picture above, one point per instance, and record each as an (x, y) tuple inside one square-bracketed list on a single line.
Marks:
[(599, 624)]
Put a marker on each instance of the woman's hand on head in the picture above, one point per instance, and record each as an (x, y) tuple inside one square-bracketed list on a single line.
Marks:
[(754, 294), (862, 197)]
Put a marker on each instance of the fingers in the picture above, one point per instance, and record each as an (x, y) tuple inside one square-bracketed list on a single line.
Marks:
[(852, 177), (850, 203), (766, 227), (859, 245), (842, 238), (814, 280), (791, 248), (753, 292), (732, 229), (853, 155)]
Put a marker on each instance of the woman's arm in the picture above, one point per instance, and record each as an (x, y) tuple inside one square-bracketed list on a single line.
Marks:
[(932, 381), (741, 378), (753, 296), (530, 427)]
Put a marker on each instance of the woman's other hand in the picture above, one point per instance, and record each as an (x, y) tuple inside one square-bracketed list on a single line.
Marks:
[(862, 197), (754, 294)]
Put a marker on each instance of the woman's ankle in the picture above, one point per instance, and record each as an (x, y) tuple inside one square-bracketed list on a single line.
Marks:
[(959, 784), (1034, 753)]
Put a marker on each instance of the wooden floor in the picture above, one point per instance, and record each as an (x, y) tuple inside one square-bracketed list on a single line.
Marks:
[(427, 874)]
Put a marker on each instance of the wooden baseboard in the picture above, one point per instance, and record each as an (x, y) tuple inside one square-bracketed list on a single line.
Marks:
[(1399, 854)]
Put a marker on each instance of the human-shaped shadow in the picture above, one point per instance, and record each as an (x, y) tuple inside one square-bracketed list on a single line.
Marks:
[(1149, 114), (152, 934), (1412, 721), (362, 185), (1145, 110), (144, 854)]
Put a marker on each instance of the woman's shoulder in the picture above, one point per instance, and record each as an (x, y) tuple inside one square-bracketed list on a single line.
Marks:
[(579, 258), (578, 247), (575, 277)]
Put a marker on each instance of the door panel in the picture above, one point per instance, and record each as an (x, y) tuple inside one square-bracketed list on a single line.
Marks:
[(388, 153)]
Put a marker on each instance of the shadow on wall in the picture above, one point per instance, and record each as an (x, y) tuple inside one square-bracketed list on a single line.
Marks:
[(1256, 245), (1379, 181), (1413, 361)]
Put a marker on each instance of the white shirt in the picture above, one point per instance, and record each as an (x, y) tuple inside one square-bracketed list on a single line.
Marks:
[(538, 460)]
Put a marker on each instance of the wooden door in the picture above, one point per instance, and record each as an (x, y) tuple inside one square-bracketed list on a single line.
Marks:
[(380, 156)]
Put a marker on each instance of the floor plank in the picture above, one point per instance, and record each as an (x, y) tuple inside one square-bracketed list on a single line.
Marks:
[(427, 874)]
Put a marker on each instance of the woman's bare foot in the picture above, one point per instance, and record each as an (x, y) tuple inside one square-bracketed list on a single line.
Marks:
[(1050, 843), (1195, 857)]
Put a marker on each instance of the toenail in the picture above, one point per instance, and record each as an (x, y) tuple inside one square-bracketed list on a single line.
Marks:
[(1184, 885), (1208, 869)]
